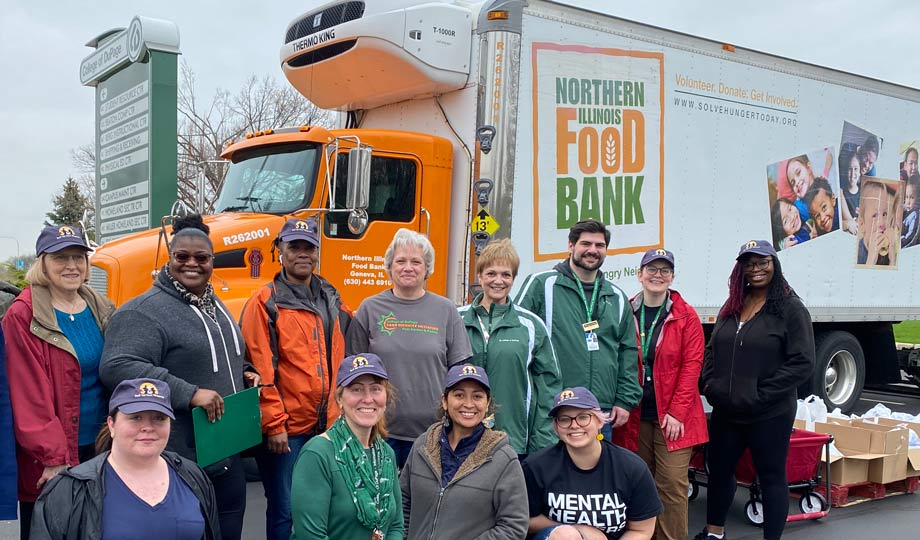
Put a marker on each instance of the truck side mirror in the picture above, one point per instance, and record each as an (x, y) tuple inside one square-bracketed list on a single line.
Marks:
[(358, 182)]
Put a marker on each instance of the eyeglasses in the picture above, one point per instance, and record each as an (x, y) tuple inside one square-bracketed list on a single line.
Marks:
[(200, 258), (664, 271), (762, 264), (566, 421), (60, 258)]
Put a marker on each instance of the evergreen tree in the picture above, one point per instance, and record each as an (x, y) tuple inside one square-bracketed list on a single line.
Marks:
[(68, 205)]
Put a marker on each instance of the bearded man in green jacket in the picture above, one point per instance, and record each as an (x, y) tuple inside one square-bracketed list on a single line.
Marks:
[(590, 322)]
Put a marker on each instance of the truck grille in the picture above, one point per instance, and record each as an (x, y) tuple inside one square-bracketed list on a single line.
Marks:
[(99, 280), (338, 14)]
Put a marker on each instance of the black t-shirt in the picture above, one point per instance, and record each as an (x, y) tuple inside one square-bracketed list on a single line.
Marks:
[(618, 489), (648, 405)]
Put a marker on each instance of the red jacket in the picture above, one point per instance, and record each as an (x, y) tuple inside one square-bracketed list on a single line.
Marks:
[(44, 377), (676, 373)]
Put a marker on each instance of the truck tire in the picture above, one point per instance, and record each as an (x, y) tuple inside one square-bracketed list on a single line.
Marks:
[(840, 370)]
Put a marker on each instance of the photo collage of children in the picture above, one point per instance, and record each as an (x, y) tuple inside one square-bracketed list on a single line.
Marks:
[(813, 194)]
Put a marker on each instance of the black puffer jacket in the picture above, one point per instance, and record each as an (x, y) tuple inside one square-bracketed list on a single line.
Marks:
[(70, 506)]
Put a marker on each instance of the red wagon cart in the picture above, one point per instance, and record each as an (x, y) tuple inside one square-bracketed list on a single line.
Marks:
[(802, 473)]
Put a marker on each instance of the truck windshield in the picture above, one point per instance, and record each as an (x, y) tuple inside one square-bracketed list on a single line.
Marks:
[(274, 179)]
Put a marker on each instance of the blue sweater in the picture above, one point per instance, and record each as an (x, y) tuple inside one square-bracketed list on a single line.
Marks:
[(7, 444)]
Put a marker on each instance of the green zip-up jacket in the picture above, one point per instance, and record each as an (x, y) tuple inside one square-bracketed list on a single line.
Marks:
[(611, 371), (523, 373)]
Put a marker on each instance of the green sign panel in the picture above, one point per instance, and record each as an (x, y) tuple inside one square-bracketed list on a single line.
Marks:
[(134, 72)]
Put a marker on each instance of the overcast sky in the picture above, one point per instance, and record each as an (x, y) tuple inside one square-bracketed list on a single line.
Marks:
[(45, 112)]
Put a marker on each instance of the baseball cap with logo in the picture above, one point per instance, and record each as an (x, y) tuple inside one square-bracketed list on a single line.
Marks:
[(299, 229), (137, 395), (577, 396), (466, 372), (756, 247), (659, 254), (54, 239), (356, 365)]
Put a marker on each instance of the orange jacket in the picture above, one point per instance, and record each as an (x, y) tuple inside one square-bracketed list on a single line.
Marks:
[(287, 344)]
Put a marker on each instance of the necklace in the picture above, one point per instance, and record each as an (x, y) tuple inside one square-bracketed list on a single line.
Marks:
[(71, 309)]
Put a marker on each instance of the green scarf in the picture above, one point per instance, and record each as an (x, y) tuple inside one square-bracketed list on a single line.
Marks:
[(372, 481)]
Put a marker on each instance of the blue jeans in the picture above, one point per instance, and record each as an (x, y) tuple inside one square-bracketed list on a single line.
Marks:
[(401, 448), (607, 428), (276, 471)]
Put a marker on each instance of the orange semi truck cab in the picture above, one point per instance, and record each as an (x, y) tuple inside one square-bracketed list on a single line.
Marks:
[(303, 173)]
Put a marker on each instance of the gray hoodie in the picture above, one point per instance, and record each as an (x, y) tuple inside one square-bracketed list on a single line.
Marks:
[(161, 336)]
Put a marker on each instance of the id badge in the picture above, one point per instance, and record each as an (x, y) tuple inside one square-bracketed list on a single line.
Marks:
[(591, 341)]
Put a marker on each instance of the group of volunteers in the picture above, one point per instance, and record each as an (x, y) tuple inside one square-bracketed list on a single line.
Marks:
[(569, 412)]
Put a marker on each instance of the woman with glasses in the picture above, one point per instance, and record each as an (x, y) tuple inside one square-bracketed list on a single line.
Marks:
[(584, 487), (181, 333), (669, 420), (54, 341), (761, 349)]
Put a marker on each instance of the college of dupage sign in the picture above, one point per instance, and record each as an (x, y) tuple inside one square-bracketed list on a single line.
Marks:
[(134, 71)]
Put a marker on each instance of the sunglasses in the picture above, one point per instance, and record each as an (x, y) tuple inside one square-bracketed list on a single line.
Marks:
[(200, 258)]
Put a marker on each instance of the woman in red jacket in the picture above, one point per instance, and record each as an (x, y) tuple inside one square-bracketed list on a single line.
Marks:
[(669, 420), (54, 342)]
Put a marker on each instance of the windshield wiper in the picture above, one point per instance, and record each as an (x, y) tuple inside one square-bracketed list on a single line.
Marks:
[(243, 206)]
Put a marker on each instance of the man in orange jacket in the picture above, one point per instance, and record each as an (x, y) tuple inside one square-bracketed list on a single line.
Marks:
[(294, 331)]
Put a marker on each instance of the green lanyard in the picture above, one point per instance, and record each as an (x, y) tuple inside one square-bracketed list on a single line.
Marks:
[(647, 339), (589, 309)]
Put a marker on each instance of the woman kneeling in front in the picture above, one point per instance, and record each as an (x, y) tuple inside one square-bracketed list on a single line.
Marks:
[(136, 486), (583, 487), (462, 479)]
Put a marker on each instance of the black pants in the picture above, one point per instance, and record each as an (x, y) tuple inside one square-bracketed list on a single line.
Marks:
[(230, 493), (768, 441)]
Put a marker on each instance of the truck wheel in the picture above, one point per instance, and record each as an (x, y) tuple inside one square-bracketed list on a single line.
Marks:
[(840, 369)]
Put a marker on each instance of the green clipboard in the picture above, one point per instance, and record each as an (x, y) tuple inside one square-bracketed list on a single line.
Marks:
[(239, 428)]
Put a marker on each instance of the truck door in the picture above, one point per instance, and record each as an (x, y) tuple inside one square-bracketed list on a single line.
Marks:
[(353, 263)]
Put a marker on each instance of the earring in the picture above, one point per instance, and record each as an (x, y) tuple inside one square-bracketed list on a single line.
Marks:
[(445, 422), (279, 258), (600, 436)]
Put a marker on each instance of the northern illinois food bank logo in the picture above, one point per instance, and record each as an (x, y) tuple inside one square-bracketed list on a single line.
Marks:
[(598, 134)]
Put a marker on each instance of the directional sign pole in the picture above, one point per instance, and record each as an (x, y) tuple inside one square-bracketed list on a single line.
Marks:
[(134, 72)]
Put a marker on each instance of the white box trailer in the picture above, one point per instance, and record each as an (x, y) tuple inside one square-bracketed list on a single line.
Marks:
[(673, 140)]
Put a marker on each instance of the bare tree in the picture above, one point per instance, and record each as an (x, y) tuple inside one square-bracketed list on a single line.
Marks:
[(83, 159), (205, 129)]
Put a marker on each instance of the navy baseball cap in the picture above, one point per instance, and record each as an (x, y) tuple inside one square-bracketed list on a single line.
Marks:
[(466, 372), (54, 239), (756, 247), (578, 397), (659, 254), (356, 365), (299, 229), (137, 395)]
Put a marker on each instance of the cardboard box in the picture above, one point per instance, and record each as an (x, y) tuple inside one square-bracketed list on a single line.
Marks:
[(882, 448), (854, 443), (913, 454)]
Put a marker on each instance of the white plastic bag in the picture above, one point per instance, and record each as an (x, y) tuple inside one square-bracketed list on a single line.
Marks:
[(816, 408), (878, 411)]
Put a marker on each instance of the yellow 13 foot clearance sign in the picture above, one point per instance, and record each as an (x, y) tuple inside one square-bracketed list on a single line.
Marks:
[(599, 133)]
